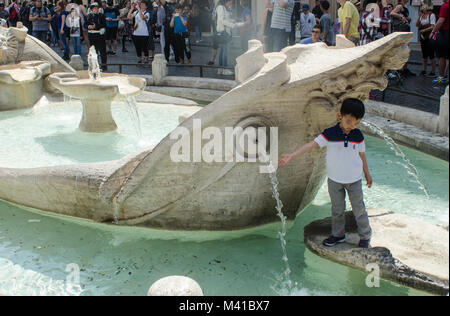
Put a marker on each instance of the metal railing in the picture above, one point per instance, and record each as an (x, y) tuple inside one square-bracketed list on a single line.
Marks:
[(148, 66)]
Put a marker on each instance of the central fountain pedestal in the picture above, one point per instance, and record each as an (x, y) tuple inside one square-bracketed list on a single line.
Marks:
[(96, 96), (97, 117)]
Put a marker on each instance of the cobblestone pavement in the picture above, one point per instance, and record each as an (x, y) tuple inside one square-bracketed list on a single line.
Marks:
[(425, 95)]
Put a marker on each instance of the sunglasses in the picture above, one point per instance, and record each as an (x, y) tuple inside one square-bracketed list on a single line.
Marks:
[(316, 31)]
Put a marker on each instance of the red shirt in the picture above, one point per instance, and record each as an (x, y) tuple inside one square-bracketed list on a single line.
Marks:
[(444, 14)]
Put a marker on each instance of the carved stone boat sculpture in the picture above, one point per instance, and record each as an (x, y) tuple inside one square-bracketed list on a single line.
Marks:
[(298, 90)]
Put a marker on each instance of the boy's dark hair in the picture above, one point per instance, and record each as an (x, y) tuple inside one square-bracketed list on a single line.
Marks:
[(318, 26), (179, 6), (325, 4), (353, 107)]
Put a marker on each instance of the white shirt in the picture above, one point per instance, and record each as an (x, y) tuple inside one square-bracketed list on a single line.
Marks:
[(307, 23), (224, 21), (344, 164), (142, 29), (430, 19)]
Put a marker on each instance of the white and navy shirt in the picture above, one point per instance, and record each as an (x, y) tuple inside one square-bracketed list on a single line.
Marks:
[(344, 165)]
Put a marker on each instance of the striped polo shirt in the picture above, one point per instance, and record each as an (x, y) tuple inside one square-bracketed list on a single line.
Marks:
[(281, 17), (344, 165)]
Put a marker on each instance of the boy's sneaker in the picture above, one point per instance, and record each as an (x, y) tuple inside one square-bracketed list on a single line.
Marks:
[(364, 244), (210, 63), (423, 73), (431, 75), (332, 241)]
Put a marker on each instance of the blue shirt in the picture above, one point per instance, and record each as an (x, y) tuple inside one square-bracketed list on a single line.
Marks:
[(308, 41), (112, 13), (246, 12), (178, 26), (59, 20)]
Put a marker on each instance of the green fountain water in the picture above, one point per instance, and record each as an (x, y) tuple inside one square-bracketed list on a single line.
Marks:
[(36, 249)]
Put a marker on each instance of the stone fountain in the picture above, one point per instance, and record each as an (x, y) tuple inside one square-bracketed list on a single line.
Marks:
[(24, 64), (96, 92), (290, 90)]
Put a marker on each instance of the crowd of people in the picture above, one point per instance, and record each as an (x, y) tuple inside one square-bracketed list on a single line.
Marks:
[(360, 24), (285, 22)]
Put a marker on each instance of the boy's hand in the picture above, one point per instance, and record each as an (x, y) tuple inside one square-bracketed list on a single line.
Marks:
[(369, 180), (285, 159)]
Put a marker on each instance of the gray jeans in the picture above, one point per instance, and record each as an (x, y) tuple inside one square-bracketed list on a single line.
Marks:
[(337, 195)]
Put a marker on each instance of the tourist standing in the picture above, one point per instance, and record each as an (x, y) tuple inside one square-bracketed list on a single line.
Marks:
[(440, 35), (141, 32), (400, 17), (225, 24), (385, 17), (40, 16), (112, 26), (246, 30), (14, 13), (196, 22), (307, 22), (349, 20), (370, 22), (317, 11), (96, 24), (400, 23), (160, 20), (25, 16), (425, 23), (281, 23), (179, 24), (215, 44), (61, 15), (326, 23), (169, 9), (73, 22), (81, 10), (127, 31), (4, 15), (266, 30)]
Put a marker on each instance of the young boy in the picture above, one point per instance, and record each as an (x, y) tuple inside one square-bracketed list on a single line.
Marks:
[(346, 162)]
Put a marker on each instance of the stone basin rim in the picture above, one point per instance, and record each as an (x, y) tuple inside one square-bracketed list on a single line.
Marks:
[(77, 85)]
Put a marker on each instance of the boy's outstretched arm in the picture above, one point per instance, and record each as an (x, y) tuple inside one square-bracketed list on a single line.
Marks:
[(366, 170), (285, 159)]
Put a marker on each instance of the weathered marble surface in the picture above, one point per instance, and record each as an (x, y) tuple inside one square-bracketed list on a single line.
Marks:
[(17, 46), (293, 91), (408, 251), (21, 84)]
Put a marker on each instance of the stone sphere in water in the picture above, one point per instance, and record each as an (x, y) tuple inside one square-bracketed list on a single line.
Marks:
[(175, 286)]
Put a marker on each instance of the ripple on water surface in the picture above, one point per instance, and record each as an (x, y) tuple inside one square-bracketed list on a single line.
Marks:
[(124, 261)]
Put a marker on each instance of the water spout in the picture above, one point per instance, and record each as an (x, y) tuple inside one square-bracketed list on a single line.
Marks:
[(94, 68), (410, 168), (286, 277)]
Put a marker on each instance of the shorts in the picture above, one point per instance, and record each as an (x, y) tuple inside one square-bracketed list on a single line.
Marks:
[(441, 44), (215, 41), (111, 33), (427, 49)]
